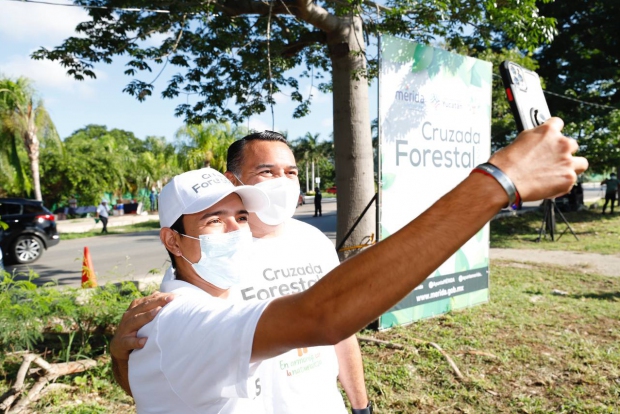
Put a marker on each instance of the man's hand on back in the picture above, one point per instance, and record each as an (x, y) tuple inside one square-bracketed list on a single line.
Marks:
[(140, 312)]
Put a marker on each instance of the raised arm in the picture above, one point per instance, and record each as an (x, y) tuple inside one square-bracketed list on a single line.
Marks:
[(541, 165), (140, 312)]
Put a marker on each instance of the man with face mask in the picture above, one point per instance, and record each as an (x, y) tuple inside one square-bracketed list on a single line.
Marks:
[(199, 357), (288, 257), (301, 380)]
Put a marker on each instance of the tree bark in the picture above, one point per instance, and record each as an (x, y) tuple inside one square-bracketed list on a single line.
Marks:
[(352, 137), (32, 147), (313, 180)]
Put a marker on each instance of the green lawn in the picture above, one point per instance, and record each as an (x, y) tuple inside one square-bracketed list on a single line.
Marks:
[(132, 228), (527, 351), (597, 233)]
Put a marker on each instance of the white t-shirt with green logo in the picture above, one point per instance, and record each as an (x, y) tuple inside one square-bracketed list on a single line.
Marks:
[(197, 356), (302, 380)]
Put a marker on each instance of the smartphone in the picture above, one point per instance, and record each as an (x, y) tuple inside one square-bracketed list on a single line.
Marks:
[(525, 95)]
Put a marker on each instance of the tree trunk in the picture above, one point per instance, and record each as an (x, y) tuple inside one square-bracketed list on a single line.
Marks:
[(313, 180), (32, 147), (352, 137), (307, 188)]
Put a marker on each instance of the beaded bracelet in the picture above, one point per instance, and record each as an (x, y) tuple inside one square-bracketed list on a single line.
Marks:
[(514, 198)]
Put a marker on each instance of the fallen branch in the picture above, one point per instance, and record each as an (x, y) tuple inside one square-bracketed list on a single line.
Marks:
[(391, 345), (479, 353), (49, 372), (380, 342)]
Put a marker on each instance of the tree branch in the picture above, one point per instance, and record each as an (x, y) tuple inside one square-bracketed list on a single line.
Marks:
[(306, 39)]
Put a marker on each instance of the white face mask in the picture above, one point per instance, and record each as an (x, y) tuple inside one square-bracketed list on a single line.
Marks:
[(223, 257), (283, 194)]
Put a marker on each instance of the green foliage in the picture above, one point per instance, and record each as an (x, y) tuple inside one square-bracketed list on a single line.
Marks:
[(583, 62), (68, 322), (206, 145), (95, 160), (310, 153), (234, 56), (24, 124)]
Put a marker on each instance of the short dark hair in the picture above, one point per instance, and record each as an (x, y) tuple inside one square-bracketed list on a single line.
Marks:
[(235, 151), (179, 228)]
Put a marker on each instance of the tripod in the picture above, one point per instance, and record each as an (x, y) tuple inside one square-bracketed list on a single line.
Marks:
[(548, 222)]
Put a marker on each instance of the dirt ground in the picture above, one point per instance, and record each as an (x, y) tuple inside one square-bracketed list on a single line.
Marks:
[(606, 265)]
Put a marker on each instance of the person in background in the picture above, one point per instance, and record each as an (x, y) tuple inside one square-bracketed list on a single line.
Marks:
[(103, 214), (72, 206), (317, 202), (611, 191), (152, 199)]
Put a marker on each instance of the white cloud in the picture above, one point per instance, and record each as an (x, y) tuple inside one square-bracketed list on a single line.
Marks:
[(40, 23), (258, 124), (318, 97), (46, 75)]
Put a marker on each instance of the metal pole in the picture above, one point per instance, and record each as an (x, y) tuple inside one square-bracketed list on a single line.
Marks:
[(379, 138)]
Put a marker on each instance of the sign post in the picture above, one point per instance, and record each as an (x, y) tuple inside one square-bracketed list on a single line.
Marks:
[(435, 127)]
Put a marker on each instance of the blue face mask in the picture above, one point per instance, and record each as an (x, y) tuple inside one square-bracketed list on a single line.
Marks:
[(223, 257)]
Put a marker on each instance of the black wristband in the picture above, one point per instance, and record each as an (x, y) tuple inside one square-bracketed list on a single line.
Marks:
[(367, 410)]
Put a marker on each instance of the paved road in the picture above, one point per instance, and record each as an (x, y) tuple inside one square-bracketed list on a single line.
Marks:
[(141, 256), (136, 256)]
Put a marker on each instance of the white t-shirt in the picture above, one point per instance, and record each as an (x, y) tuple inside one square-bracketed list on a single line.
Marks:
[(302, 380), (102, 210), (197, 356)]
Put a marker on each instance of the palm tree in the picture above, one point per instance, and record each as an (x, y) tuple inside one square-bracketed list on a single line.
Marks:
[(309, 150), (206, 145), (22, 117)]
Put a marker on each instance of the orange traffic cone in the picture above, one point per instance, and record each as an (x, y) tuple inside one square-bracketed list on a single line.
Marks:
[(89, 278)]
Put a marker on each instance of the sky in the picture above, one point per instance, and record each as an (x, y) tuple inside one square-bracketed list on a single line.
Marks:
[(25, 27)]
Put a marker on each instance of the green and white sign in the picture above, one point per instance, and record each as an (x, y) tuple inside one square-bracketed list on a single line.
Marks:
[(435, 126)]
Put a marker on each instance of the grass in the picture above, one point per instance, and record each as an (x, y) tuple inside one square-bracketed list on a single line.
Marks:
[(537, 352), (597, 233), (131, 228), (543, 353)]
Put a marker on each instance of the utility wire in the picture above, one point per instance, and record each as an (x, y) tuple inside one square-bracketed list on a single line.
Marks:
[(168, 12), (580, 101), (570, 98), (91, 7)]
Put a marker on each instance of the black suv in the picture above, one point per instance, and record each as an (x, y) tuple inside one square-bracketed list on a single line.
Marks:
[(31, 230)]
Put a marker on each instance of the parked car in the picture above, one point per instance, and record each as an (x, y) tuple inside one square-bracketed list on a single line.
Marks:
[(331, 190), (31, 230)]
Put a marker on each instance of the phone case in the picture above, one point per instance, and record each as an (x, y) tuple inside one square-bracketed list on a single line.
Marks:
[(525, 95)]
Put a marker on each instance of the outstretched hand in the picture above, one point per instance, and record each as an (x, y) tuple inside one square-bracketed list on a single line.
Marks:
[(140, 312), (540, 161)]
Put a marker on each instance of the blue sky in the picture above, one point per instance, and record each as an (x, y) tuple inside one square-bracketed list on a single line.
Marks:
[(24, 27)]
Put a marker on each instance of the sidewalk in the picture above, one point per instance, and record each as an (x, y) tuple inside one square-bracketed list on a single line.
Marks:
[(607, 265), (88, 224)]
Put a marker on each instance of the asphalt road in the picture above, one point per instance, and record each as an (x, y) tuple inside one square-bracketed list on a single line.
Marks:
[(141, 256), (136, 256)]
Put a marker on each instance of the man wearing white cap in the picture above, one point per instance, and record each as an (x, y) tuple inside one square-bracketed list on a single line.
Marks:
[(197, 358), (194, 367), (304, 380)]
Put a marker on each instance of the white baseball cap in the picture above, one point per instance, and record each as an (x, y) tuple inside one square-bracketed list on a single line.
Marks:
[(197, 190)]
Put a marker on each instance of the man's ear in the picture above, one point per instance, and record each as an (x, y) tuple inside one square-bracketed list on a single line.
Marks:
[(231, 177), (170, 239)]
